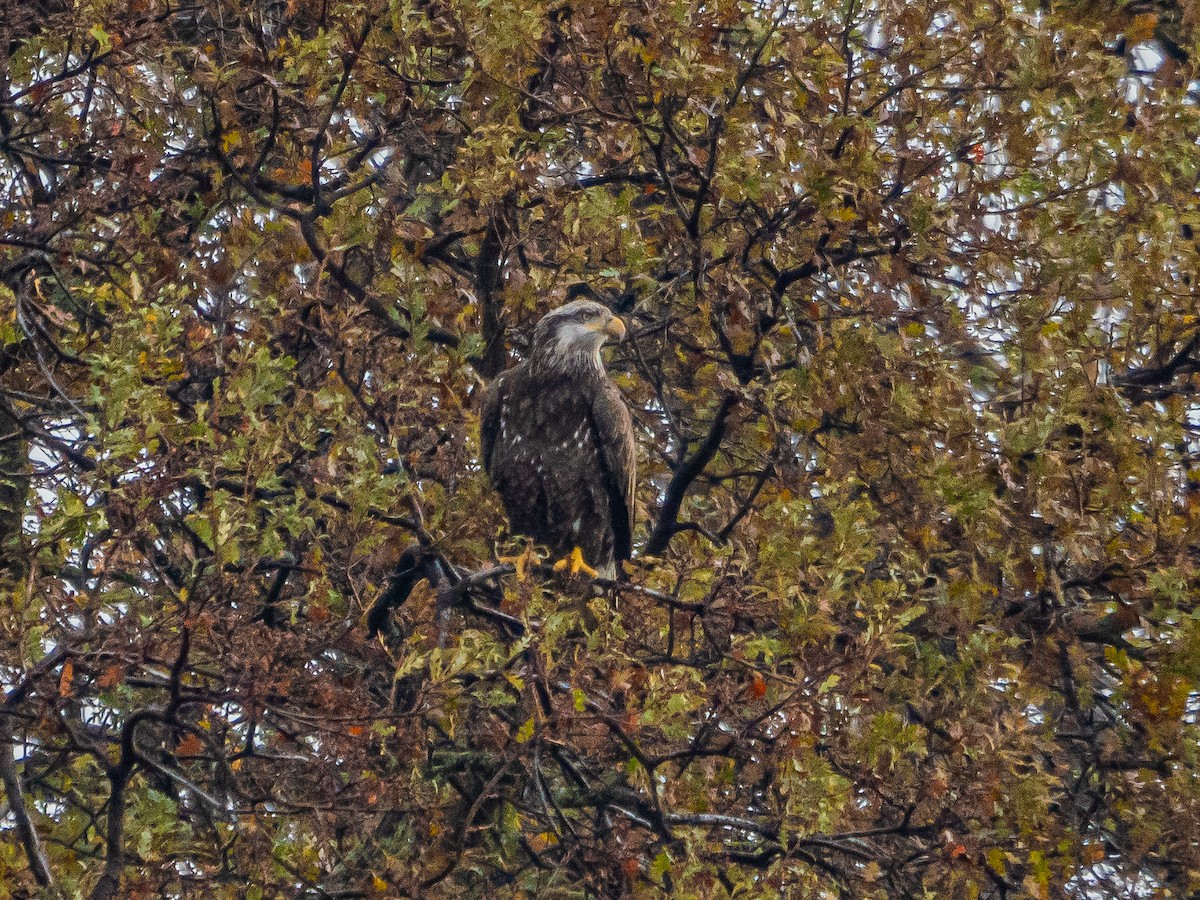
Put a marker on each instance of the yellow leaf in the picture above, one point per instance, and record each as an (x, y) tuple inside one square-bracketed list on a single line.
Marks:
[(543, 840), (525, 732), (996, 861)]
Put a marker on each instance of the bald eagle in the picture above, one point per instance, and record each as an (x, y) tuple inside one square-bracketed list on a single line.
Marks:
[(558, 440)]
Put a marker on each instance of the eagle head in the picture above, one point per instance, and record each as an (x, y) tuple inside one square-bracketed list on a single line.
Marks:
[(570, 337)]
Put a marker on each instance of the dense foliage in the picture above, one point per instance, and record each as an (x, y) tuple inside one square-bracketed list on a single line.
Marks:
[(913, 358)]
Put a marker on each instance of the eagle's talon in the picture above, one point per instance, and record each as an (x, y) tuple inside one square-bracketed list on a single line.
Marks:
[(575, 564), (521, 563)]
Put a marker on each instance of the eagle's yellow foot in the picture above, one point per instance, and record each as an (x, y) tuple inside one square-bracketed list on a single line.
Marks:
[(522, 562), (575, 564)]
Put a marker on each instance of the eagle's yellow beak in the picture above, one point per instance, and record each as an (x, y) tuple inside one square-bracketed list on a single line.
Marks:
[(615, 328)]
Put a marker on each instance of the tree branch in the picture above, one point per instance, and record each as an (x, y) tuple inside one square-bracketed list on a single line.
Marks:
[(16, 805), (687, 472), (1136, 382), (119, 775)]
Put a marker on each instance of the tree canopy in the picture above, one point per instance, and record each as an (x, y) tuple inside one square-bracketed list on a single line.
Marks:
[(913, 359)]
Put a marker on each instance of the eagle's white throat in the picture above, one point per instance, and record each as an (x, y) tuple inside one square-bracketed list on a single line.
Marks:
[(577, 347)]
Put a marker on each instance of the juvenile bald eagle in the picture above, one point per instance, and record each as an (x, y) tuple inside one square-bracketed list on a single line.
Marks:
[(558, 440)]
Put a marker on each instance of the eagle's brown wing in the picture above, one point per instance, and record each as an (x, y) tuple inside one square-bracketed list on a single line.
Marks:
[(489, 419), (618, 454)]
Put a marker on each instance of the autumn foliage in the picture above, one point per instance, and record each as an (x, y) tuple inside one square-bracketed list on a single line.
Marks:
[(914, 347)]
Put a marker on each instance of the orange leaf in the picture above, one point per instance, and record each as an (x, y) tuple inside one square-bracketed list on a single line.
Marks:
[(189, 746), (1142, 28), (758, 686), (355, 730), (65, 679), (110, 677)]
